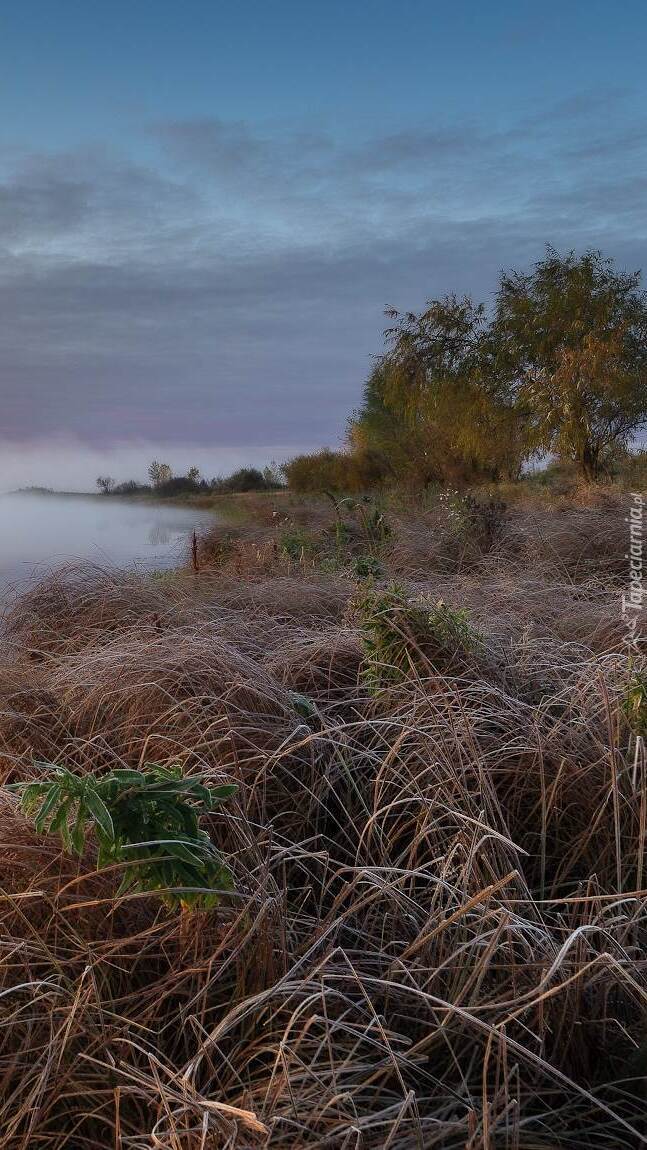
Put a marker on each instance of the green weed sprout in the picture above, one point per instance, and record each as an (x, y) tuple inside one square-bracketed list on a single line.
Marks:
[(147, 819), (296, 544), (634, 703), (367, 567)]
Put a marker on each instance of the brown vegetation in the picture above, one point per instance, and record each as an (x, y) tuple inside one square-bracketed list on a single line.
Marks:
[(436, 935)]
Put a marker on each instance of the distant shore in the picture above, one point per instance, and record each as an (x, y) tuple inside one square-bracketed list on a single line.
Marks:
[(228, 504)]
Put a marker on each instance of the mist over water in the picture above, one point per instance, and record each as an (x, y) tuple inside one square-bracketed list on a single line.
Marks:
[(39, 533), (65, 463)]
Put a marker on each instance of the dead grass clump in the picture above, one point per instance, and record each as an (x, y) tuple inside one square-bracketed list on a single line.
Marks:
[(250, 558), (175, 697), (513, 603), (306, 600), (101, 997), (430, 963), (573, 542), (182, 696), (71, 608), (421, 543), (325, 665)]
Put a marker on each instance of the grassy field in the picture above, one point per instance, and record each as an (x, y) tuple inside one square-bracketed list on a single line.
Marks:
[(437, 935)]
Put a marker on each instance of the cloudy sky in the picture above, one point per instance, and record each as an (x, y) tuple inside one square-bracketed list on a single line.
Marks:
[(205, 206)]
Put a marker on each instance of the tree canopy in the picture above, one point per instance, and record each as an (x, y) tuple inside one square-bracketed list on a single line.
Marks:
[(433, 404), (571, 338), (560, 366)]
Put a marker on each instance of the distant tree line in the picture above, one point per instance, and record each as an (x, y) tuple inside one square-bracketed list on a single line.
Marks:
[(163, 483), (559, 367)]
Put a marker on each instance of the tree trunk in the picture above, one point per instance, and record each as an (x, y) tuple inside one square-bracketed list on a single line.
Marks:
[(589, 462)]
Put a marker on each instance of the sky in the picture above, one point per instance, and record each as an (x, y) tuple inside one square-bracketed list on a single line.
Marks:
[(205, 207)]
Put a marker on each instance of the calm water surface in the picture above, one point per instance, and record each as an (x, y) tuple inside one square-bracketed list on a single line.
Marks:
[(39, 533)]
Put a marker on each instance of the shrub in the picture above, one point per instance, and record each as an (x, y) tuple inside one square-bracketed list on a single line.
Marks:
[(631, 469), (179, 485), (485, 519), (245, 479), (131, 487), (320, 471)]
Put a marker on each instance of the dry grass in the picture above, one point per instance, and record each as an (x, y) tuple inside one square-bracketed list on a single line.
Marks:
[(438, 933)]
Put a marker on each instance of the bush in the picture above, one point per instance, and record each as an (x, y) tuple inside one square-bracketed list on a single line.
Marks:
[(339, 471), (323, 470), (179, 485), (131, 487), (245, 479), (630, 468)]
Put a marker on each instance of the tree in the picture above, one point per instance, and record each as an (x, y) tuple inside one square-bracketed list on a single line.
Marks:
[(193, 474), (273, 476), (105, 483), (433, 405), (380, 430), (159, 473), (570, 337)]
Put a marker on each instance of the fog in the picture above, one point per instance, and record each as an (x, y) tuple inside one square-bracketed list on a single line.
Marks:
[(66, 464), (38, 533)]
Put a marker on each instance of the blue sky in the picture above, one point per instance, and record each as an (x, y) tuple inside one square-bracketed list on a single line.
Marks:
[(205, 206)]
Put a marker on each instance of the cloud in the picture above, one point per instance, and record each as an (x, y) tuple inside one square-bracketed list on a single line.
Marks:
[(224, 282), (39, 203)]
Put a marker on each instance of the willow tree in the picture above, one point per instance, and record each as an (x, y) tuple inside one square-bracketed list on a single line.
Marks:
[(433, 404), (570, 337)]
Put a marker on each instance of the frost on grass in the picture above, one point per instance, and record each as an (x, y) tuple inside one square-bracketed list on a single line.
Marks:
[(436, 929)]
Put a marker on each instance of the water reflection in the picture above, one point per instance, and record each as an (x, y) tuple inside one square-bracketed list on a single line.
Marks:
[(45, 531), (159, 535)]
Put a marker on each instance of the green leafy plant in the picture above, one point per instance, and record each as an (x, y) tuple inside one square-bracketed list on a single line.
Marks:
[(452, 629), (146, 819), (367, 567), (394, 635), (303, 705), (402, 638), (296, 544)]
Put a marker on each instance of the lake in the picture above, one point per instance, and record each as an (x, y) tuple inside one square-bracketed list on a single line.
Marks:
[(41, 532)]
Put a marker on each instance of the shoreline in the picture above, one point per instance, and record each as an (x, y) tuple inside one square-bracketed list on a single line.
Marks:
[(206, 502)]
